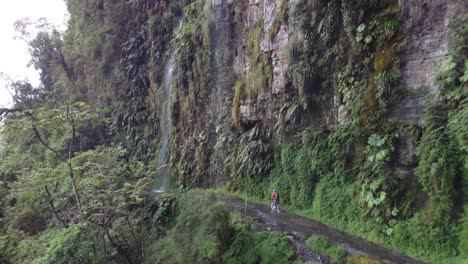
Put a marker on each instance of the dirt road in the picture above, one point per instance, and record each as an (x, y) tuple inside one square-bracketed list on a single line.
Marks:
[(303, 227)]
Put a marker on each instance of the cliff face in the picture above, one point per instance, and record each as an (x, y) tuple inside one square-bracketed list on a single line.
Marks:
[(252, 38), (427, 45), (323, 99), (425, 26)]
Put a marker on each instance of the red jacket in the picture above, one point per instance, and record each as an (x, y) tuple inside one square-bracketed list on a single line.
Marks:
[(275, 196)]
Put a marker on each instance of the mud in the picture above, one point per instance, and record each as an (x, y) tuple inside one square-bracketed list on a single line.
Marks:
[(301, 228)]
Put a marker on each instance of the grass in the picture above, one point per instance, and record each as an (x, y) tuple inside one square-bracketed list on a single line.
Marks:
[(261, 247), (320, 244)]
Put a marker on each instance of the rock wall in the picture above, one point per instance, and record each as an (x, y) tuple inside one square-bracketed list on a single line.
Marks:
[(426, 30), (426, 24), (262, 107), (426, 45)]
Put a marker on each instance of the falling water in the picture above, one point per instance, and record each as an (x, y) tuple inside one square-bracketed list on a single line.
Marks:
[(162, 169)]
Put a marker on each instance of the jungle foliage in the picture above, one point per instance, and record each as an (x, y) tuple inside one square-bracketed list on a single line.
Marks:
[(78, 152)]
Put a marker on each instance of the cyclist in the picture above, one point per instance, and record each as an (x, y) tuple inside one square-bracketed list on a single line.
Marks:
[(276, 198)]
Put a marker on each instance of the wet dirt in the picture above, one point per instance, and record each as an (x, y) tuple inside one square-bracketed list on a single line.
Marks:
[(300, 228)]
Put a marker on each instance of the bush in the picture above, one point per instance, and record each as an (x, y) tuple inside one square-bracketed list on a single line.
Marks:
[(420, 235), (321, 245), (298, 167), (262, 247), (75, 244), (30, 221), (334, 202), (463, 235), (200, 235), (280, 182)]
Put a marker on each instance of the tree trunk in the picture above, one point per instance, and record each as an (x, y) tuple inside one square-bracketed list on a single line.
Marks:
[(51, 203), (75, 189)]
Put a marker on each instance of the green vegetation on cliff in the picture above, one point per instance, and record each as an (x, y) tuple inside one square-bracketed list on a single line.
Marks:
[(78, 154)]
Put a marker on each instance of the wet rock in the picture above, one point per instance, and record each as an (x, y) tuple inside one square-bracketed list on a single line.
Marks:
[(427, 23), (269, 11), (279, 62), (427, 44), (409, 110), (252, 110), (253, 13)]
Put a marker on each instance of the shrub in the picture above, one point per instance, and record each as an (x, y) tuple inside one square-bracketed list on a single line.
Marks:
[(334, 203), (30, 221), (201, 232), (75, 244), (262, 247), (463, 235), (421, 234), (321, 245)]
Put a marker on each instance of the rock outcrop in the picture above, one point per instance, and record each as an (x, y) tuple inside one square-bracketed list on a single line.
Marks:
[(426, 46)]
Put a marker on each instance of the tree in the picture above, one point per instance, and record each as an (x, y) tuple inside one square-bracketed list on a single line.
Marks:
[(73, 116), (24, 95), (45, 48)]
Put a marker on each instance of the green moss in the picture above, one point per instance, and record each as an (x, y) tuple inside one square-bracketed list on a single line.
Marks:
[(384, 60), (370, 107), (239, 94), (259, 77), (280, 19), (253, 43), (274, 29)]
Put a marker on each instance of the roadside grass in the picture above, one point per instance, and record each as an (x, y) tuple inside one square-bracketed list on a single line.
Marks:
[(259, 247), (321, 245)]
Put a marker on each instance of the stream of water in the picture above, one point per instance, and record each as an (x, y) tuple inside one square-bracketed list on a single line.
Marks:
[(162, 165)]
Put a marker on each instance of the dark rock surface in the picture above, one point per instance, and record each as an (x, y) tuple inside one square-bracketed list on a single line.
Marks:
[(426, 45)]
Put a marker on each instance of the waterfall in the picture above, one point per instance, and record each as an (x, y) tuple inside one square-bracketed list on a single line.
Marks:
[(162, 166)]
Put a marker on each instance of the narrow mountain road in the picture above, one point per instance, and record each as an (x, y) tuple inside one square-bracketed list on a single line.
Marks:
[(302, 227)]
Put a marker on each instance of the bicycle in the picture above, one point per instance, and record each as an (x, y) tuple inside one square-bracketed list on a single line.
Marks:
[(275, 206)]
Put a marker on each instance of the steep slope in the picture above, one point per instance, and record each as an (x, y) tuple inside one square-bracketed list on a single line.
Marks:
[(355, 111), (323, 100)]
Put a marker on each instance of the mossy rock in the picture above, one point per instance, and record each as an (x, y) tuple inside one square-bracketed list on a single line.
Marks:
[(384, 61), (370, 106), (239, 95)]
